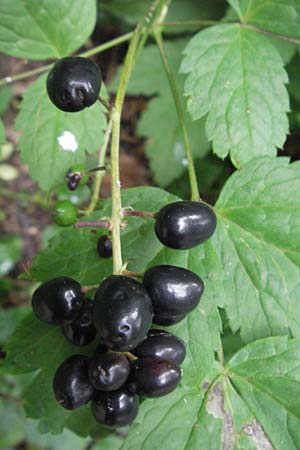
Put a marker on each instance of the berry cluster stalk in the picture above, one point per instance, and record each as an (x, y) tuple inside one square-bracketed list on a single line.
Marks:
[(143, 28), (191, 168)]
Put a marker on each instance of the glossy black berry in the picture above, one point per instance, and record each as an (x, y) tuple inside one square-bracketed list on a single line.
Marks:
[(163, 345), (58, 300), (122, 312), (71, 385), (183, 225), (81, 331), (65, 213), (74, 83), (73, 181), (115, 409), (153, 377), (108, 371), (104, 247), (174, 292)]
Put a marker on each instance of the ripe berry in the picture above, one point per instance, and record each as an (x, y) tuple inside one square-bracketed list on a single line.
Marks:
[(58, 300), (65, 213), (183, 225), (153, 377), (122, 312), (174, 292), (115, 409), (108, 371), (163, 345), (81, 331), (74, 83), (104, 247), (71, 386), (73, 181)]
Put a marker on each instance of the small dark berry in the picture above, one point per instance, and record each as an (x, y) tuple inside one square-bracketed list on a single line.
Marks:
[(122, 312), (163, 345), (74, 83), (81, 331), (104, 247), (185, 224), (108, 371), (153, 377), (71, 385), (58, 300), (115, 409), (174, 292)]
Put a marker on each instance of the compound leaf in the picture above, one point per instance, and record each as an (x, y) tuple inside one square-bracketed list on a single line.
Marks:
[(246, 107), (41, 29)]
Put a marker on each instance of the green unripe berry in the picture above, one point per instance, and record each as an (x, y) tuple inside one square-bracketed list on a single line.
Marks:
[(65, 213)]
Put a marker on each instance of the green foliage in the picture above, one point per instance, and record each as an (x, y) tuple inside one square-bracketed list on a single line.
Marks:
[(52, 141), (48, 29), (246, 108), (159, 122), (241, 379), (10, 253), (277, 16), (2, 133)]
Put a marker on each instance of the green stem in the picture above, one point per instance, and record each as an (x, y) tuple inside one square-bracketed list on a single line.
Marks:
[(93, 51), (188, 149), (99, 174), (190, 23), (143, 27)]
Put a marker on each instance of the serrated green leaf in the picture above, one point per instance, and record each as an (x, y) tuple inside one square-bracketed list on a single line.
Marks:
[(278, 16), (10, 253), (159, 122), (246, 108), (132, 11), (53, 140), (246, 407), (37, 29)]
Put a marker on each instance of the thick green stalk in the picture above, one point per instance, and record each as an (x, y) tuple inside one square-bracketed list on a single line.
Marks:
[(99, 174), (188, 149), (144, 26)]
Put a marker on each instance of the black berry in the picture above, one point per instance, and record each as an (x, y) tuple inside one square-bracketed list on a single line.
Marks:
[(74, 83), (73, 181), (82, 330), (58, 300), (115, 409), (71, 385), (104, 247), (174, 292), (108, 371), (163, 345), (183, 225), (153, 377), (122, 312)]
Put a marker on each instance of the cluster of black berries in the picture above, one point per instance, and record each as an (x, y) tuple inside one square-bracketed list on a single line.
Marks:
[(132, 360)]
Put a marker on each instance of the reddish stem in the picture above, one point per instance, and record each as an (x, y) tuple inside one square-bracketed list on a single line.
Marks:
[(128, 212), (129, 273), (92, 224)]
